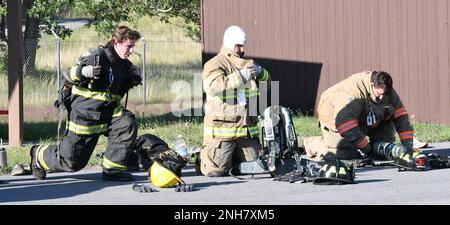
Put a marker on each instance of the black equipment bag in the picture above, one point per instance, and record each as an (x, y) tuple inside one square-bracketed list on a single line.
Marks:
[(150, 148)]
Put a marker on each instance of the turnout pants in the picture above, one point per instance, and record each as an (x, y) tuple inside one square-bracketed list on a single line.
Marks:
[(331, 145), (75, 150), (219, 156)]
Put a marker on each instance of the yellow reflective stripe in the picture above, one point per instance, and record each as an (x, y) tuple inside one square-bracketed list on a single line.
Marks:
[(332, 169), (251, 93), (73, 74), (98, 95), (254, 131), (231, 132), (40, 156), (248, 94), (118, 111), (227, 97), (265, 75), (86, 130), (108, 164), (225, 132)]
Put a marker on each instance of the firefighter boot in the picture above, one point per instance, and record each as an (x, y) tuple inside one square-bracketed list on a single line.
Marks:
[(197, 164), (133, 162), (36, 169), (121, 176)]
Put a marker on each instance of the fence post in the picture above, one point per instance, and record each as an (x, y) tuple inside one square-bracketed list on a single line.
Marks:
[(58, 77), (58, 60), (58, 64), (144, 70)]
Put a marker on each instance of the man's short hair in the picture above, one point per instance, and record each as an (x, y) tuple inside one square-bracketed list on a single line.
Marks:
[(123, 33), (381, 79)]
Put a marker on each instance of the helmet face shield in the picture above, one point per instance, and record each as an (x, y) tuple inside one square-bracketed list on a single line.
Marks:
[(335, 173)]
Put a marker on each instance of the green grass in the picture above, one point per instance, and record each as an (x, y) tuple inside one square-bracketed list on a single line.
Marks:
[(168, 126), (432, 133)]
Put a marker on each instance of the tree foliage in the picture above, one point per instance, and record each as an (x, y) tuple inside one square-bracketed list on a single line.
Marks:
[(46, 12), (105, 15), (189, 10)]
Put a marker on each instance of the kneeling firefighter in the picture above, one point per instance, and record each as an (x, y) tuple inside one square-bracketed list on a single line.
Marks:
[(92, 94)]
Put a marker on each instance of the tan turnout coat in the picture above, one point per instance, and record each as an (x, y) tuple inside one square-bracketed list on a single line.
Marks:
[(351, 109), (225, 117)]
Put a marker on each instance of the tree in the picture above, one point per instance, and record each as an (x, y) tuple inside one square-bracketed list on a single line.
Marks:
[(40, 12), (2, 20), (189, 10), (3, 41), (105, 15)]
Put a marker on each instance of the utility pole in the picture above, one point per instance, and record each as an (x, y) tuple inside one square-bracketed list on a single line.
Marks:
[(15, 72)]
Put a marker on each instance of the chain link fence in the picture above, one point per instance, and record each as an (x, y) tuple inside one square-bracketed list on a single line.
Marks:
[(163, 59)]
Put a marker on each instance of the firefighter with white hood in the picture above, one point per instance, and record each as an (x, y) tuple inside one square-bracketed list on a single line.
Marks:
[(230, 125)]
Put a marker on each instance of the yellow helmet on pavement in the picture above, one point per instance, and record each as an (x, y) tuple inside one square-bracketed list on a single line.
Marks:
[(163, 177)]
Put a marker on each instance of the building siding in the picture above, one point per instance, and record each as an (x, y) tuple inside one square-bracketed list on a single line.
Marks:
[(309, 45)]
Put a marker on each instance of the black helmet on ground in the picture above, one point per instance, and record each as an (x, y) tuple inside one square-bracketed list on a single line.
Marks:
[(335, 173)]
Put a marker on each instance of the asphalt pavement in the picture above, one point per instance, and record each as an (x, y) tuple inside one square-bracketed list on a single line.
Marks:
[(374, 186)]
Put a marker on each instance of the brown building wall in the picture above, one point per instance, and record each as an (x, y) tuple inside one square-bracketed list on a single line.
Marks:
[(309, 45)]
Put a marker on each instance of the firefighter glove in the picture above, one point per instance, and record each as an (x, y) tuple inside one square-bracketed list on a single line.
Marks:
[(91, 72), (246, 74), (257, 70), (141, 188), (184, 188), (136, 76), (408, 145)]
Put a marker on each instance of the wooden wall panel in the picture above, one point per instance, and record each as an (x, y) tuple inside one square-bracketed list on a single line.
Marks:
[(309, 45)]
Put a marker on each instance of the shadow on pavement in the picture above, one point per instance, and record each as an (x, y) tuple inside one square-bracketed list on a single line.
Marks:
[(55, 187), (209, 184), (370, 181), (373, 168)]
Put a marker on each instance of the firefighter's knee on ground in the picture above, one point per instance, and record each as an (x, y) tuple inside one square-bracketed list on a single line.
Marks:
[(74, 166), (211, 170)]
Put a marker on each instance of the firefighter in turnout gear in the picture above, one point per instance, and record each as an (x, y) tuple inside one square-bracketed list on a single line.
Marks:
[(93, 92), (230, 124), (360, 108)]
